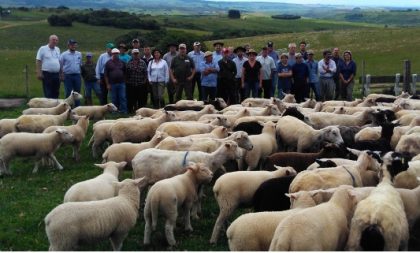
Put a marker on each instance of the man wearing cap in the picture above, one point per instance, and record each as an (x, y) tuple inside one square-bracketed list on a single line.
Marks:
[(313, 74), (217, 54), (284, 72), (198, 56), (326, 69), (114, 72), (136, 82), (100, 67), (273, 54), (268, 68), (209, 69), (123, 53), (89, 77), (239, 61), (168, 58), (303, 51), (226, 84), (71, 62), (48, 67), (300, 87), (182, 72), (135, 44)]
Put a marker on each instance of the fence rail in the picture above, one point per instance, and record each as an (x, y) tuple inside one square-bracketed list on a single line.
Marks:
[(369, 82)]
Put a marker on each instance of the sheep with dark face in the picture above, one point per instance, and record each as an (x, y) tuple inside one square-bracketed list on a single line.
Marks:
[(383, 144)]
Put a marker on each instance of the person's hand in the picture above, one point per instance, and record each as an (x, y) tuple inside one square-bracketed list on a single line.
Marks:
[(242, 85), (108, 86), (39, 76), (61, 77), (98, 81), (174, 81), (189, 78), (260, 86)]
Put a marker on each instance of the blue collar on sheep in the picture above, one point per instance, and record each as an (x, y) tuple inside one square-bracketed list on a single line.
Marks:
[(184, 162)]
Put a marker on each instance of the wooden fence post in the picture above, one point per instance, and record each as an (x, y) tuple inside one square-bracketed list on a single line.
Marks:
[(407, 75), (366, 86), (413, 84), (397, 88)]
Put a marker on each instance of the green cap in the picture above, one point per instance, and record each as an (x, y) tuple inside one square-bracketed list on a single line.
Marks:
[(110, 45)]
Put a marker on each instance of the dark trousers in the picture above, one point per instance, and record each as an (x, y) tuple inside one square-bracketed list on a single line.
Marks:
[(267, 88), (197, 80), (72, 82), (183, 85), (136, 97), (209, 93), (51, 84), (227, 91), (337, 87), (300, 89), (104, 91), (240, 92), (171, 91)]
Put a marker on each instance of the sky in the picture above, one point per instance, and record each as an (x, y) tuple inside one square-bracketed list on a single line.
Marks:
[(390, 3)]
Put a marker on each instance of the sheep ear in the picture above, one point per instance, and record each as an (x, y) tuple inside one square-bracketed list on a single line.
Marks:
[(121, 165), (100, 165), (60, 130), (138, 181), (227, 145), (192, 166), (291, 196), (354, 151)]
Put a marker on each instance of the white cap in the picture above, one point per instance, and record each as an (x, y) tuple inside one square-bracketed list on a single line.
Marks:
[(135, 50), (115, 51), (196, 43)]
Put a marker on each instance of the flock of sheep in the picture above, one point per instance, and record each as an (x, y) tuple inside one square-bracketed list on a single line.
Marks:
[(328, 175)]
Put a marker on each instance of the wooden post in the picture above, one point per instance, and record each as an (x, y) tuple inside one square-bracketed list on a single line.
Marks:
[(413, 84), (407, 75), (366, 86), (26, 81), (397, 88)]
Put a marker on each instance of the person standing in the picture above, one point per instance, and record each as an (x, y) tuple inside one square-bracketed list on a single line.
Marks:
[(268, 68), (48, 67), (136, 85), (239, 61), (251, 75), (217, 54), (347, 73), (300, 87), (168, 58), (326, 69), (209, 70), (147, 58), (275, 78), (100, 68), (291, 56), (226, 78), (115, 80), (124, 56), (135, 44), (182, 72), (285, 76), (313, 75), (198, 56), (158, 75), (89, 77), (71, 62), (303, 52), (338, 62)]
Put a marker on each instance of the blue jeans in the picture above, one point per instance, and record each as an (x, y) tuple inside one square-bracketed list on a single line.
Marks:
[(92, 85), (72, 82), (251, 87), (118, 96), (315, 88), (51, 84)]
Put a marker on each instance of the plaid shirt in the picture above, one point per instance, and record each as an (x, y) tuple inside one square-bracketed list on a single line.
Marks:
[(136, 72)]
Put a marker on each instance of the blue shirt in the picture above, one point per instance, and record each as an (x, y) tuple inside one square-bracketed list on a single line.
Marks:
[(347, 69), (275, 57), (217, 56), (209, 80), (197, 57), (313, 71), (71, 62), (100, 65), (284, 81), (125, 57)]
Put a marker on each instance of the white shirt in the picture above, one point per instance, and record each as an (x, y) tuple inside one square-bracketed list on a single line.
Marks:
[(268, 65), (239, 64), (321, 70), (158, 71), (50, 58)]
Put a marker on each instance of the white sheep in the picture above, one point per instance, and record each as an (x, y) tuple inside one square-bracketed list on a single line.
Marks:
[(264, 144), (230, 118), (219, 132), (38, 123), (78, 131), (7, 126), (126, 151), (139, 130), (321, 228), (379, 221), (185, 128), (50, 102), (100, 187), (72, 223), (235, 188), (39, 145), (195, 115), (189, 103), (147, 112), (409, 143), (101, 134), (299, 135), (58, 109), (323, 119), (254, 231), (95, 112), (156, 164), (341, 103), (172, 194)]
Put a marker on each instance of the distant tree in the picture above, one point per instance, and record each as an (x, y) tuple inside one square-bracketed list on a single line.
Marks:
[(60, 20), (286, 16), (62, 7), (234, 14)]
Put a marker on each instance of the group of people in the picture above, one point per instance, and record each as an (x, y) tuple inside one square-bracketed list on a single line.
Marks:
[(230, 73)]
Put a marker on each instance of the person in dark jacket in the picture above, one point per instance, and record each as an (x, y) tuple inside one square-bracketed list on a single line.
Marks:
[(89, 78), (347, 73), (136, 81), (226, 85), (115, 80), (300, 86)]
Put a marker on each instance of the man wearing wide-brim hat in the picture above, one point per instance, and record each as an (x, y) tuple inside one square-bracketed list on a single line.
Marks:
[(239, 61), (209, 70)]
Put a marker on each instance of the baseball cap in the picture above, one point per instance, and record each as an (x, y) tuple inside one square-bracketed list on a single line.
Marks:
[(298, 55), (284, 55), (196, 43), (182, 45), (89, 54), (310, 52), (135, 40), (208, 53), (115, 51), (225, 50), (270, 44), (135, 51), (110, 45), (71, 41)]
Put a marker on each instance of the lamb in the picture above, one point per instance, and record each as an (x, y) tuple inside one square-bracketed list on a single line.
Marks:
[(219, 132), (341, 103), (301, 161), (323, 119), (38, 123), (379, 221), (264, 145), (186, 128), (184, 103), (258, 102), (78, 131), (171, 194), (147, 112), (235, 188), (31, 144), (101, 134), (230, 118), (100, 187), (383, 144), (129, 130), (93, 221), (409, 144), (298, 135), (320, 228), (254, 231), (342, 175), (126, 151), (50, 102), (95, 112), (267, 110), (58, 109), (7, 126), (155, 164)]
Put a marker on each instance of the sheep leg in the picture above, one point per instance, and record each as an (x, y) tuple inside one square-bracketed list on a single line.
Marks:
[(117, 241), (353, 243), (76, 152), (147, 226), (169, 228), (187, 217), (225, 212), (57, 164), (35, 170)]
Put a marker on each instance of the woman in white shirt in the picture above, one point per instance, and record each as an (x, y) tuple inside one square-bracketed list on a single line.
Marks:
[(158, 73)]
